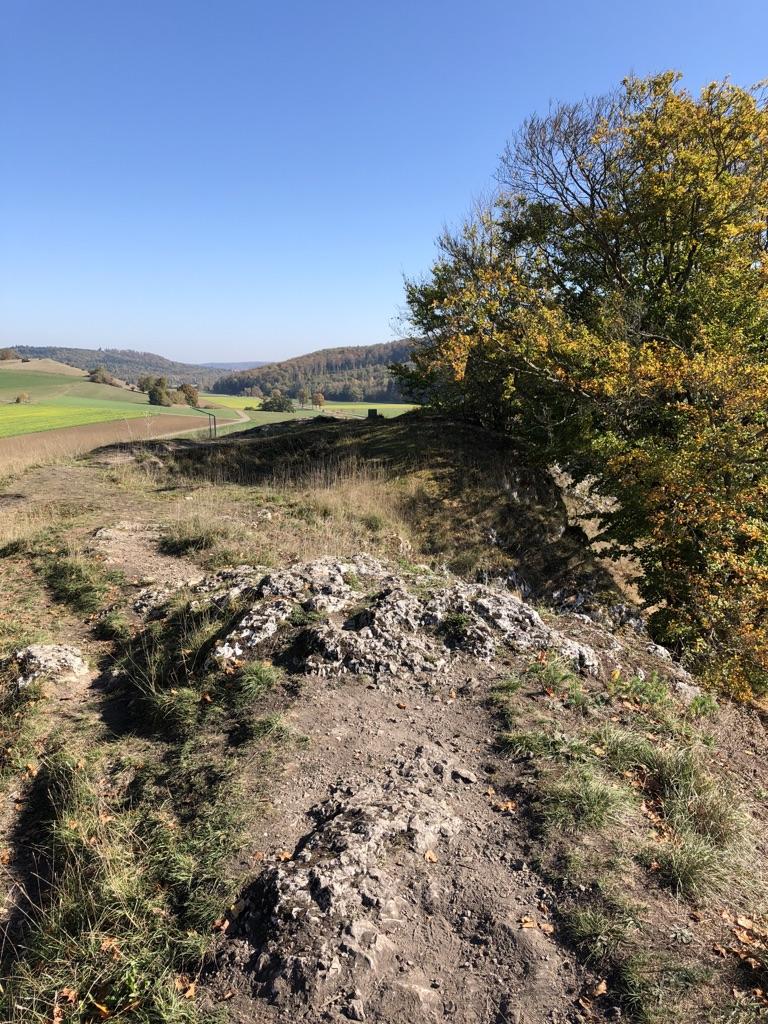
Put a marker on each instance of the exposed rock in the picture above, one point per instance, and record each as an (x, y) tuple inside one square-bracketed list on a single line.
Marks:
[(377, 624), (47, 661), (325, 923)]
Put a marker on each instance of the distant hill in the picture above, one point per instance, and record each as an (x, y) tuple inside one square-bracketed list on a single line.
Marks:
[(350, 374), (125, 363), (236, 366)]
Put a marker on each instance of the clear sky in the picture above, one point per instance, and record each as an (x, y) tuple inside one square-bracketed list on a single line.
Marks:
[(230, 179)]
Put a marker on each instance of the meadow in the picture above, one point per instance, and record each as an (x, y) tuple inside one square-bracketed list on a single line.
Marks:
[(60, 396), (66, 398), (354, 409)]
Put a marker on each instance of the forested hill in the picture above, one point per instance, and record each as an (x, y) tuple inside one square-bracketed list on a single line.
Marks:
[(125, 363), (351, 374)]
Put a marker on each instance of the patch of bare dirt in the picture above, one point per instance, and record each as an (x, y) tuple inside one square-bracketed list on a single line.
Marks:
[(132, 547)]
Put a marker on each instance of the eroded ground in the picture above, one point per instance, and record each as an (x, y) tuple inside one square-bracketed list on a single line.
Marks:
[(330, 763)]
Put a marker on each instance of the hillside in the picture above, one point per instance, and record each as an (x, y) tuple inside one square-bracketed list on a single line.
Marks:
[(344, 720), (127, 364), (350, 374)]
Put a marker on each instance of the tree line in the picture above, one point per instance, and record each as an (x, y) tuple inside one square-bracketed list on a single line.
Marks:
[(352, 374), (607, 309)]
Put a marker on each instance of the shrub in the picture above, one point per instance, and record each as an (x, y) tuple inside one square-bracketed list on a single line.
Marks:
[(100, 375), (277, 402)]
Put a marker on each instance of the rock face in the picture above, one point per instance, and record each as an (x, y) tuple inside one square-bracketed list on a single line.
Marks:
[(360, 617), (47, 661), (364, 619), (393, 883)]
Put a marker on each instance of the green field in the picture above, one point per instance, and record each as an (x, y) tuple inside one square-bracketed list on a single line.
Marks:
[(354, 409), (69, 400)]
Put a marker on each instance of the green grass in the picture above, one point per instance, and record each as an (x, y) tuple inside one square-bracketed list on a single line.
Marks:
[(580, 800), (76, 580), (67, 400), (354, 409)]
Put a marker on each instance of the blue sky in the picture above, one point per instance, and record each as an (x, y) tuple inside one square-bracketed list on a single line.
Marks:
[(229, 180)]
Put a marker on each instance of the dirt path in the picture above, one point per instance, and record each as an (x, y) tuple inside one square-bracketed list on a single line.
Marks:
[(431, 913)]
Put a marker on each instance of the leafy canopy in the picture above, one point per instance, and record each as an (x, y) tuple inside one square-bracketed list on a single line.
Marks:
[(608, 309)]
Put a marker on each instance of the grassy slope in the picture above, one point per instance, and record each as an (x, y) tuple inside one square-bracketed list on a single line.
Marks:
[(130, 816), (67, 400)]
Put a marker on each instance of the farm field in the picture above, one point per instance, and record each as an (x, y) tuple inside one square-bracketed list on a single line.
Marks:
[(64, 397), (355, 409)]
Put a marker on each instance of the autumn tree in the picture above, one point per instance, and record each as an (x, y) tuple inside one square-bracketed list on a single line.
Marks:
[(277, 402), (318, 399), (303, 396), (609, 311)]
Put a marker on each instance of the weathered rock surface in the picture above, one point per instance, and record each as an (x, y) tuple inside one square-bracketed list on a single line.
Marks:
[(47, 661), (360, 617), (392, 909)]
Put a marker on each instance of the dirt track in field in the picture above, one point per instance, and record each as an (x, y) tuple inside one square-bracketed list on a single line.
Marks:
[(27, 449)]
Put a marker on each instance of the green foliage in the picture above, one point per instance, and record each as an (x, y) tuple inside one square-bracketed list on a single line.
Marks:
[(609, 311), (277, 402), (157, 392), (100, 375), (186, 394)]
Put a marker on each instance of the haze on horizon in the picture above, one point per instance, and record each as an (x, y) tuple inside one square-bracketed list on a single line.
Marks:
[(240, 181)]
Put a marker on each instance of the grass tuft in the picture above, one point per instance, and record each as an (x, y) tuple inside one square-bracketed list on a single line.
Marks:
[(581, 799)]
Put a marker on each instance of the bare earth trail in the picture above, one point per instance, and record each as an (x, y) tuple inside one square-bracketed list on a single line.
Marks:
[(435, 930), (391, 870)]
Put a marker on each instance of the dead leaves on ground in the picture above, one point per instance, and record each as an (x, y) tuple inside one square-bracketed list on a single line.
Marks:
[(527, 921), (499, 805), (750, 938)]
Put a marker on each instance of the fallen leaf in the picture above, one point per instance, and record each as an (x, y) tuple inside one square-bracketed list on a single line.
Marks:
[(504, 805), (284, 855), (5, 857), (600, 988), (69, 994), (190, 992), (104, 1011), (430, 857), (547, 928), (527, 922), (402, 706), (110, 945)]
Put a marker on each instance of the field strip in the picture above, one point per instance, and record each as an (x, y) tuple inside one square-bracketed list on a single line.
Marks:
[(16, 452)]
